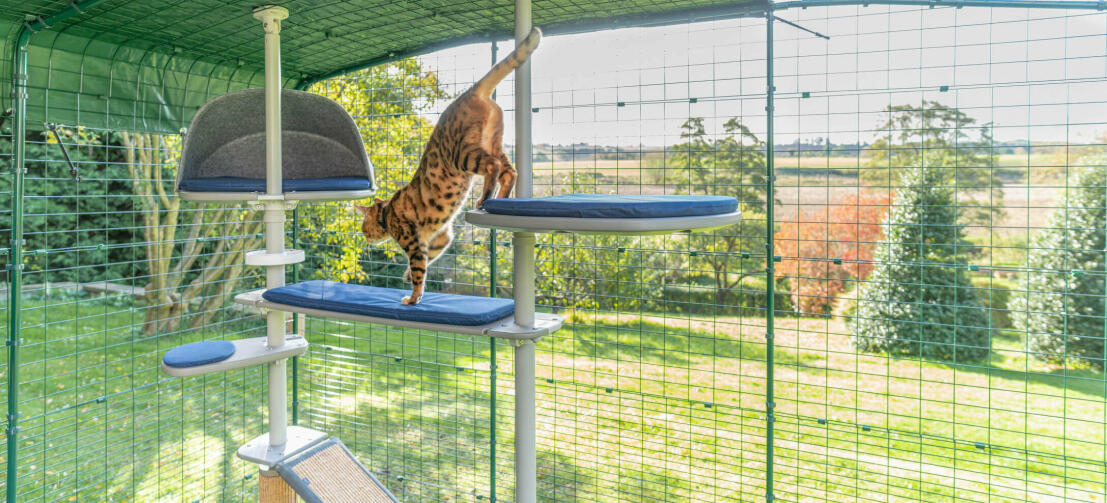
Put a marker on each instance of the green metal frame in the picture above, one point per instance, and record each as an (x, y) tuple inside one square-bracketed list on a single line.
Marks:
[(770, 253), (15, 264), (20, 83)]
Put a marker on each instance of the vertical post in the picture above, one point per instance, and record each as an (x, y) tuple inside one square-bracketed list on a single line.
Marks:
[(274, 218), (492, 377), (770, 257), (296, 320), (15, 264), (526, 465)]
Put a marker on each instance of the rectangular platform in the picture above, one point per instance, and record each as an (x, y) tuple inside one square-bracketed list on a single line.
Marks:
[(504, 329)]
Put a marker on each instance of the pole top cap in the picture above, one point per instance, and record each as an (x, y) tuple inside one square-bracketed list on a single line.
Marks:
[(270, 13)]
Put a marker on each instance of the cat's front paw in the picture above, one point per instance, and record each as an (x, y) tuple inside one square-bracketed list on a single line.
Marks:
[(410, 301)]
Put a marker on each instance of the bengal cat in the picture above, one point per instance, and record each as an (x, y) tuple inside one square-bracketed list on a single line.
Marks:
[(467, 141)]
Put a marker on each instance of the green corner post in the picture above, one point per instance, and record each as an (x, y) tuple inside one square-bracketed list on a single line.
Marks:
[(770, 91), (15, 265), (492, 347), (296, 319)]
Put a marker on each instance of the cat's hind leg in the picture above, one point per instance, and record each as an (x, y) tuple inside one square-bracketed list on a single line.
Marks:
[(506, 177), (490, 168)]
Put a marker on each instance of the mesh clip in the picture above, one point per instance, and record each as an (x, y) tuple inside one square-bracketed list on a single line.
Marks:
[(14, 267)]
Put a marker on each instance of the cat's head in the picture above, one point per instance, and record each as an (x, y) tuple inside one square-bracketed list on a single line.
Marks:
[(371, 221)]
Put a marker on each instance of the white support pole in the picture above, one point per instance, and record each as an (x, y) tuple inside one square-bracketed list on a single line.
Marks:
[(274, 218), (526, 462), (523, 184)]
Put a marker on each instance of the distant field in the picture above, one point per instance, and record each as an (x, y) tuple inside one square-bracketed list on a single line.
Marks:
[(1032, 184), (1045, 163)]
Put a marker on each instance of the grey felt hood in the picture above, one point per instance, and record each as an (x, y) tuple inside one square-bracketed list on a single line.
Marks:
[(227, 138)]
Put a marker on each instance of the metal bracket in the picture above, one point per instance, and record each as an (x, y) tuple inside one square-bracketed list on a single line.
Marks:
[(57, 137), (14, 267), (520, 342), (14, 343)]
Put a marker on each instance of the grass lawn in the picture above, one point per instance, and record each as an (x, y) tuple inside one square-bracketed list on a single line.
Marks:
[(632, 407)]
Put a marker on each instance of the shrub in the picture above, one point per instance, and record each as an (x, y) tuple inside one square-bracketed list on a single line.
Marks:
[(823, 250), (1062, 307), (746, 299), (995, 294), (918, 301)]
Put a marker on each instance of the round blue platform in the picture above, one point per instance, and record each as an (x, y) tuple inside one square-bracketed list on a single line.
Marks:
[(612, 206), (198, 353)]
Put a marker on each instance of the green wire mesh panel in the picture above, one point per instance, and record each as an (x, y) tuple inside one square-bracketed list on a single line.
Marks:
[(117, 271), (940, 178), (413, 405), (5, 281), (655, 388), (938, 267)]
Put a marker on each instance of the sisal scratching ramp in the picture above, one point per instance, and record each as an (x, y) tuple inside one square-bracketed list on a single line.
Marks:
[(329, 473)]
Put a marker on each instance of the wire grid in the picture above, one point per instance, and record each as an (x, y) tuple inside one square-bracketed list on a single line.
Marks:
[(5, 250), (99, 421), (989, 414), (655, 388), (413, 405)]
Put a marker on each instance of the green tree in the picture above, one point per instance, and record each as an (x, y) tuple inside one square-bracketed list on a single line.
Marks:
[(1062, 307), (385, 102), (943, 138), (602, 271), (195, 253), (733, 165), (918, 302)]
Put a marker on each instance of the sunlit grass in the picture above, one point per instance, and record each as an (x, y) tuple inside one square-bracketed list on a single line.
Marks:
[(631, 407)]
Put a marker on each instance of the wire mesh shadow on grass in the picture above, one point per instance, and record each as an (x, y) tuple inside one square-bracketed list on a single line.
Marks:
[(643, 339)]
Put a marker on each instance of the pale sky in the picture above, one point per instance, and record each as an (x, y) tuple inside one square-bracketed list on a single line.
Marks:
[(1030, 72)]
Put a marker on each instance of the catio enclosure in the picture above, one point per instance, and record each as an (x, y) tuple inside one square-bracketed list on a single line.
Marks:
[(912, 308)]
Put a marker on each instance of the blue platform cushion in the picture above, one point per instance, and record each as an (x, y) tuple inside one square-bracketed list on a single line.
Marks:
[(612, 206), (441, 308), (199, 353), (237, 184)]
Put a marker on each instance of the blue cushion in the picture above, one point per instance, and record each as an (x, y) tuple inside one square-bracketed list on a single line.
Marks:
[(199, 353), (237, 184), (612, 206), (442, 308)]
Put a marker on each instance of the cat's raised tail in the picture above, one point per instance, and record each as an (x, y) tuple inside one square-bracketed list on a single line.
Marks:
[(487, 84)]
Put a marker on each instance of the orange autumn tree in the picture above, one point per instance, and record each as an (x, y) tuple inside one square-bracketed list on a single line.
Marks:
[(824, 250)]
